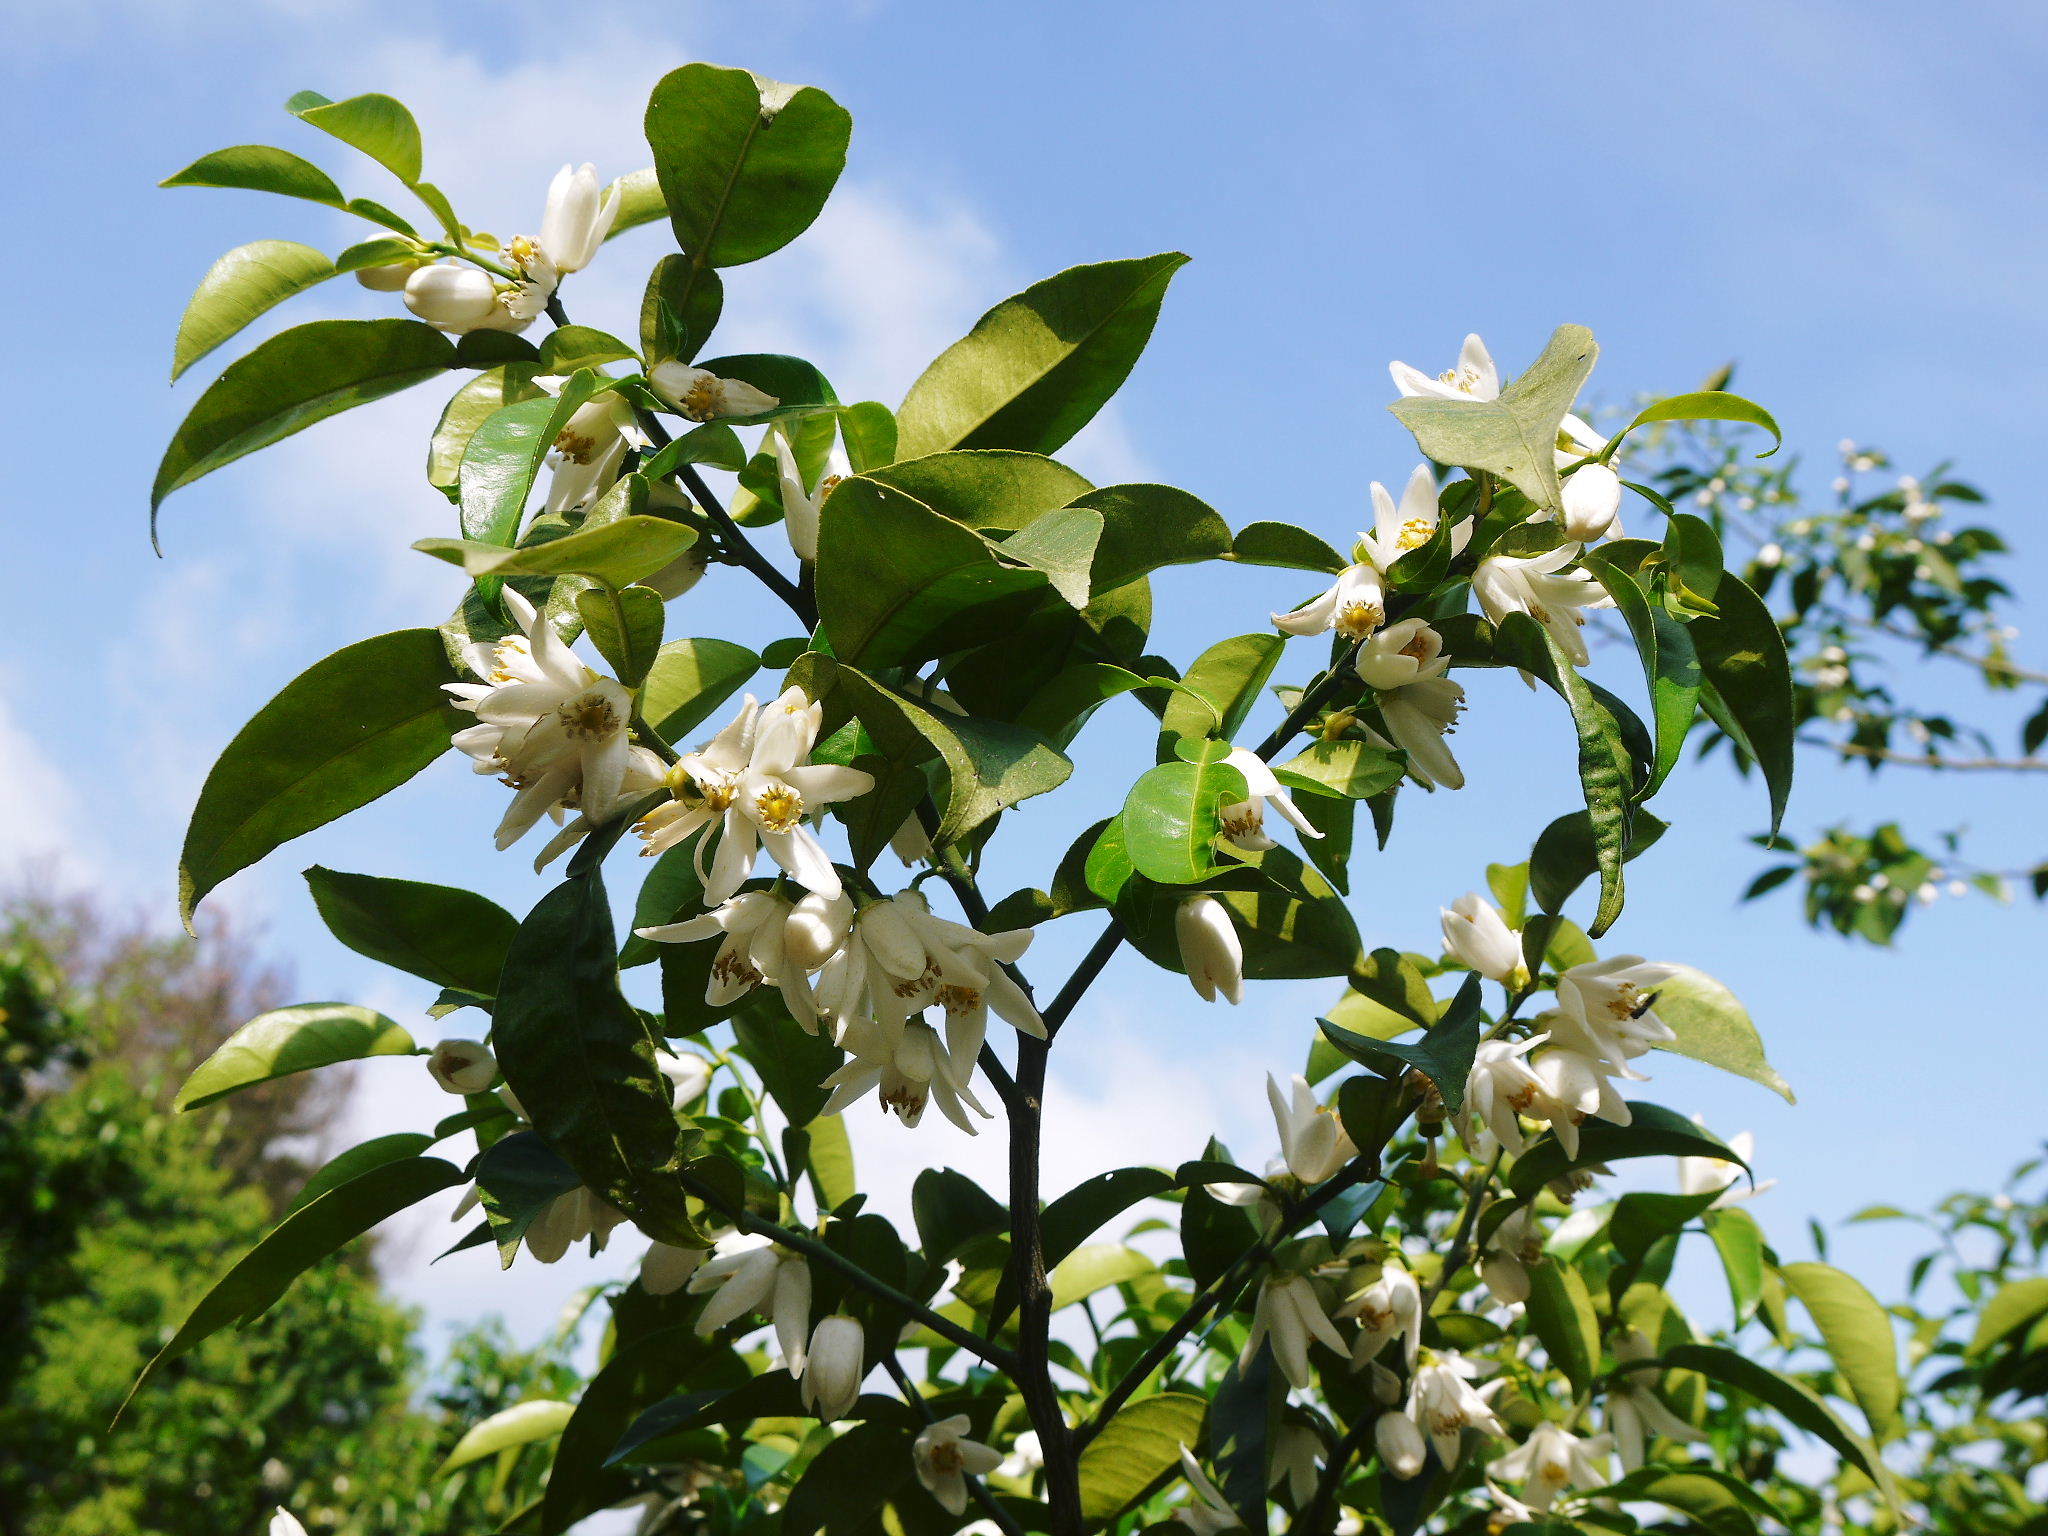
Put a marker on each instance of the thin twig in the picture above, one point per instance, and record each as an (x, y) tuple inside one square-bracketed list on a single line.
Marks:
[(1930, 760)]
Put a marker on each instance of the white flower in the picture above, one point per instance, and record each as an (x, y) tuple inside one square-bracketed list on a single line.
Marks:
[(1475, 377), (751, 1274), (1244, 823), (1633, 1409), (1592, 492), (1210, 950), (1400, 1444), (645, 773), (754, 950), (1312, 1138), (1442, 1403), (702, 396), (1289, 1314), (1553, 1459), (1296, 1458), (901, 958), (1697, 1175), (665, 1268), (555, 730), (832, 1378), (1389, 1308), (910, 1066), (283, 1523), (1607, 1010), (451, 298), (1501, 1088), (1026, 1456), (590, 448), (1478, 936), (1408, 524), (1577, 1089), (944, 1458), (1209, 1513), (463, 1066), (1354, 605), (1400, 654), (753, 784), (1418, 717), (1539, 586), (577, 219), (689, 1073), (801, 505), (569, 1219), (1512, 1247)]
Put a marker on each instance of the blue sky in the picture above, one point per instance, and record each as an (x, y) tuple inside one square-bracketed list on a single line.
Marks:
[(1840, 196)]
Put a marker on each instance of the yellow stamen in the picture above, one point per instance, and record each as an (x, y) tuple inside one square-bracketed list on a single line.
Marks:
[(589, 716), (1356, 620), (779, 807)]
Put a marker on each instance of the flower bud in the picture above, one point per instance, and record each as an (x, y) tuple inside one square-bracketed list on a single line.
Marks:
[(1401, 654), (1592, 501), (690, 1073), (389, 278), (1210, 949), (463, 1066), (833, 1371), (454, 298), (577, 219), (679, 575), (1476, 935), (815, 929), (1400, 1444), (665, 1269)]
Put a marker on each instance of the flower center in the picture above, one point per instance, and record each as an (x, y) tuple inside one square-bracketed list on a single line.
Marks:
[(1356, 620), (1464, 380), (511, 649), (779, 807), (1628, 1001), (525, 252), (1416, 532), (955, 998), (1418, 648), (731, 966), (946, 1457), (703, 400), (906, 1098), (589, 716), (577, 447), (1246, 819)]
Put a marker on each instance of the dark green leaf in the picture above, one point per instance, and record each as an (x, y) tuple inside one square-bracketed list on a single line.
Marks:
[(1283, 544), (1561, 1316), (625, 625), (453, 938), (1742, 658), (1654, 1132), (1443, 1055), (689, 680)]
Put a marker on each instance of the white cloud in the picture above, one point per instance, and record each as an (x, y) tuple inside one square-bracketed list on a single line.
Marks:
[(42, 808)]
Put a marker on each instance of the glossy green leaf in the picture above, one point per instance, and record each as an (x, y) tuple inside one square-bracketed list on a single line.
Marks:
[(569, 347), (292, 380), (1858, 1334), (346, 730), (1560, 1312), (359, 1159), (1096, 1267), (993, 489), (1148, 527), (679, 310), (1671, 667), (1654, 1131), (1349, 768), (617, 553), (689, 680), (1704, 405), (1743, 662), (1394, 981), (301, 1240), (1143, 1441), (379, 126), (287, 1040), (640, 200), (517, 1178), (1515, 436), (899, 583), (503, 457), (1713, 1026), (625, 625), (521, 1424), (1443, 1055), (1718, 1503), (744, 164), (1284, 545), (451, 937), (583, 1063), (468, 409), (1740, 1242), (1172, 816), (829, 1160), (1224, 682), (790, 1062), (1563, 858), (1291, 922), (847, 1485), (259, 168), (249, 281), (1037, 367), (1799, 1406)]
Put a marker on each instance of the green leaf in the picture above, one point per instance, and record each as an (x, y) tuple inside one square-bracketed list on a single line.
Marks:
[(1858, 1334), (503, 457), (1718, 1502), (1560, 1312), (301, 1240), (625, 625), (1443, 1055), (287, 1040), (523, 1423), (1743, 661), (1654, 1131), (379, 126), (1147, 527), (847, 1485), (260, 168), (289, 382), (1061, 545), (996, 490), (829, 1161), (1284, 545), (1740, 1242), (583, 1063), (1290, 921), (1143, 1441), (453, 938), (1799, 1406), (517, 1178), (640, 201), (467, 410), (1671, 666), (744, 164), (899, 583), (2012, 1307), (1394, 982), (1038, 366), (1096, 1267), (397, 1147), (679, 310), (951, 1211), (617, 553), (1227, 678), (1563, 858), (569, 347), (1348, 768), (243, 284), (689, 680), (1171, 816), (1704, 405), (1515, 436), (1713, 1026), (346, 730), (790, 1062)]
